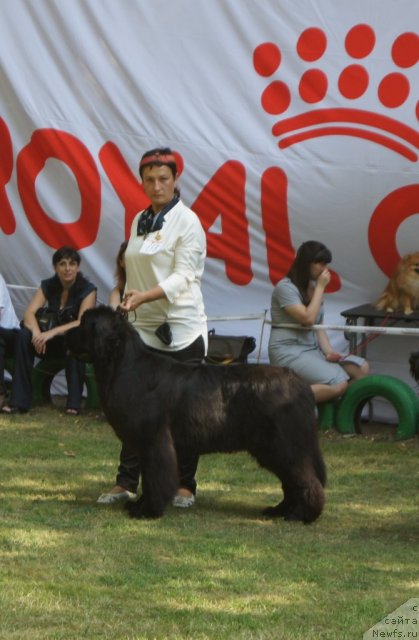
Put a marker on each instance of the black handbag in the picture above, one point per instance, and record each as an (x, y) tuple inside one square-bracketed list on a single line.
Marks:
[(228, 349), (48, 318)]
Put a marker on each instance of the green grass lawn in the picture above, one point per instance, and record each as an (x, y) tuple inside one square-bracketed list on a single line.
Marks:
[(71, 569)]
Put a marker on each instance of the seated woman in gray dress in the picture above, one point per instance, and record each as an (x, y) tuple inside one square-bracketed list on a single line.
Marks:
[(298, 299)]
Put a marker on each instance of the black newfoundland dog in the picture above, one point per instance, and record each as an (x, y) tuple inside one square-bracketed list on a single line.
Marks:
[(159, 406)]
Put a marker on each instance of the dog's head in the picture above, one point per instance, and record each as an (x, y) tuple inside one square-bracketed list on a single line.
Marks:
[(100, 335), (409, 265), (414, 365)]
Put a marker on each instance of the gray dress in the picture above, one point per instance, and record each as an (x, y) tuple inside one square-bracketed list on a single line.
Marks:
[(299, 349)]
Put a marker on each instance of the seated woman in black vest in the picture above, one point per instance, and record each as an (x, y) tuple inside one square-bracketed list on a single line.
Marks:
[(67, 295)]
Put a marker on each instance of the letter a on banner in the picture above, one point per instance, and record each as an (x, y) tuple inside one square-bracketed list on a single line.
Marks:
[(224, 196)]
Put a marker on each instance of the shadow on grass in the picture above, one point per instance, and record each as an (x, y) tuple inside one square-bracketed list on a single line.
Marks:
[(73, 569)]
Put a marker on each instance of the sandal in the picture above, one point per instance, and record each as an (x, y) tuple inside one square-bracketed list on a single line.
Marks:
[(183, 502), (10, 409), (112, 498), (72, 412)]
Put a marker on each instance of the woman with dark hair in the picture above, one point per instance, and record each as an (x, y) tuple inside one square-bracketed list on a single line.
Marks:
[(67, 294), (298, 299), (117, 293), (164, 262)]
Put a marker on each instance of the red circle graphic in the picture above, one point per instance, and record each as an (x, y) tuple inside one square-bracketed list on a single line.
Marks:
[(353, 81), (311, 44), (385, 222), (313, 86), (276, 98), (360, 41), (393, 90), (266, 59), (405, 50)]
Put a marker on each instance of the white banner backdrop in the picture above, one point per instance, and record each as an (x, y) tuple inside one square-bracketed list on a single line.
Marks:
[(295, 119)]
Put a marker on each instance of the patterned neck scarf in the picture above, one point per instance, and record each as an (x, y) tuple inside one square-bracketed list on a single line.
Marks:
[(149, 221)]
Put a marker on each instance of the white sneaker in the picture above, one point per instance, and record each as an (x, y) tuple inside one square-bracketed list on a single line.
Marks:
[(111, 498), (183, 502)]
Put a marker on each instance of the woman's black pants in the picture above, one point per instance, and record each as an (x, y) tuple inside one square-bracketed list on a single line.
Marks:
[(24, 358), (7, 349)]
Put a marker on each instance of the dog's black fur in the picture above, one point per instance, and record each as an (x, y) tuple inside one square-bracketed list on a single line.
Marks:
[(414, 365), (159, 406)]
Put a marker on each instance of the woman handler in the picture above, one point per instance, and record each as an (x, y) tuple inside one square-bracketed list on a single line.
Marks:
[(164, 263)]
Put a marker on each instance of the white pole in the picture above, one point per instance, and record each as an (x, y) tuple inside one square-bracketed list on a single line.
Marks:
[(395, 331)]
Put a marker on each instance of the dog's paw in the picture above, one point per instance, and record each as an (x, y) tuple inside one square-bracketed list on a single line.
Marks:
[(279, 511), (282, 511), (291, 513), (131, 506), (140, 509), (294, 516), (143, 514)]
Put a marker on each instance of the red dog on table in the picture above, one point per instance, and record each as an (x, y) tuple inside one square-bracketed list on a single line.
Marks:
[(402, 290)]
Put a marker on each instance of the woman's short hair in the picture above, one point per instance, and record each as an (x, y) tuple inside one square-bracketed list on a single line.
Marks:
[(162, 156), (66, 253)]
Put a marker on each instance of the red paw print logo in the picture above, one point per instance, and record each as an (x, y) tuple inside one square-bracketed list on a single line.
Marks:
[(354, 83)]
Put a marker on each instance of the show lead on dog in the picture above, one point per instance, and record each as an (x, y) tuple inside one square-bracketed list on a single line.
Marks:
[(164, 263), (298, 299)]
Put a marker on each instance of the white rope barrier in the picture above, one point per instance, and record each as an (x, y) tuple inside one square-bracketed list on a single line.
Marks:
[(395, 331), (251, 316), (21, 286), (347, 328)]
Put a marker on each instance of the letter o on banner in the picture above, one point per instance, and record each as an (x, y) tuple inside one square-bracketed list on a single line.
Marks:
[(395, 391), (51, 143)]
